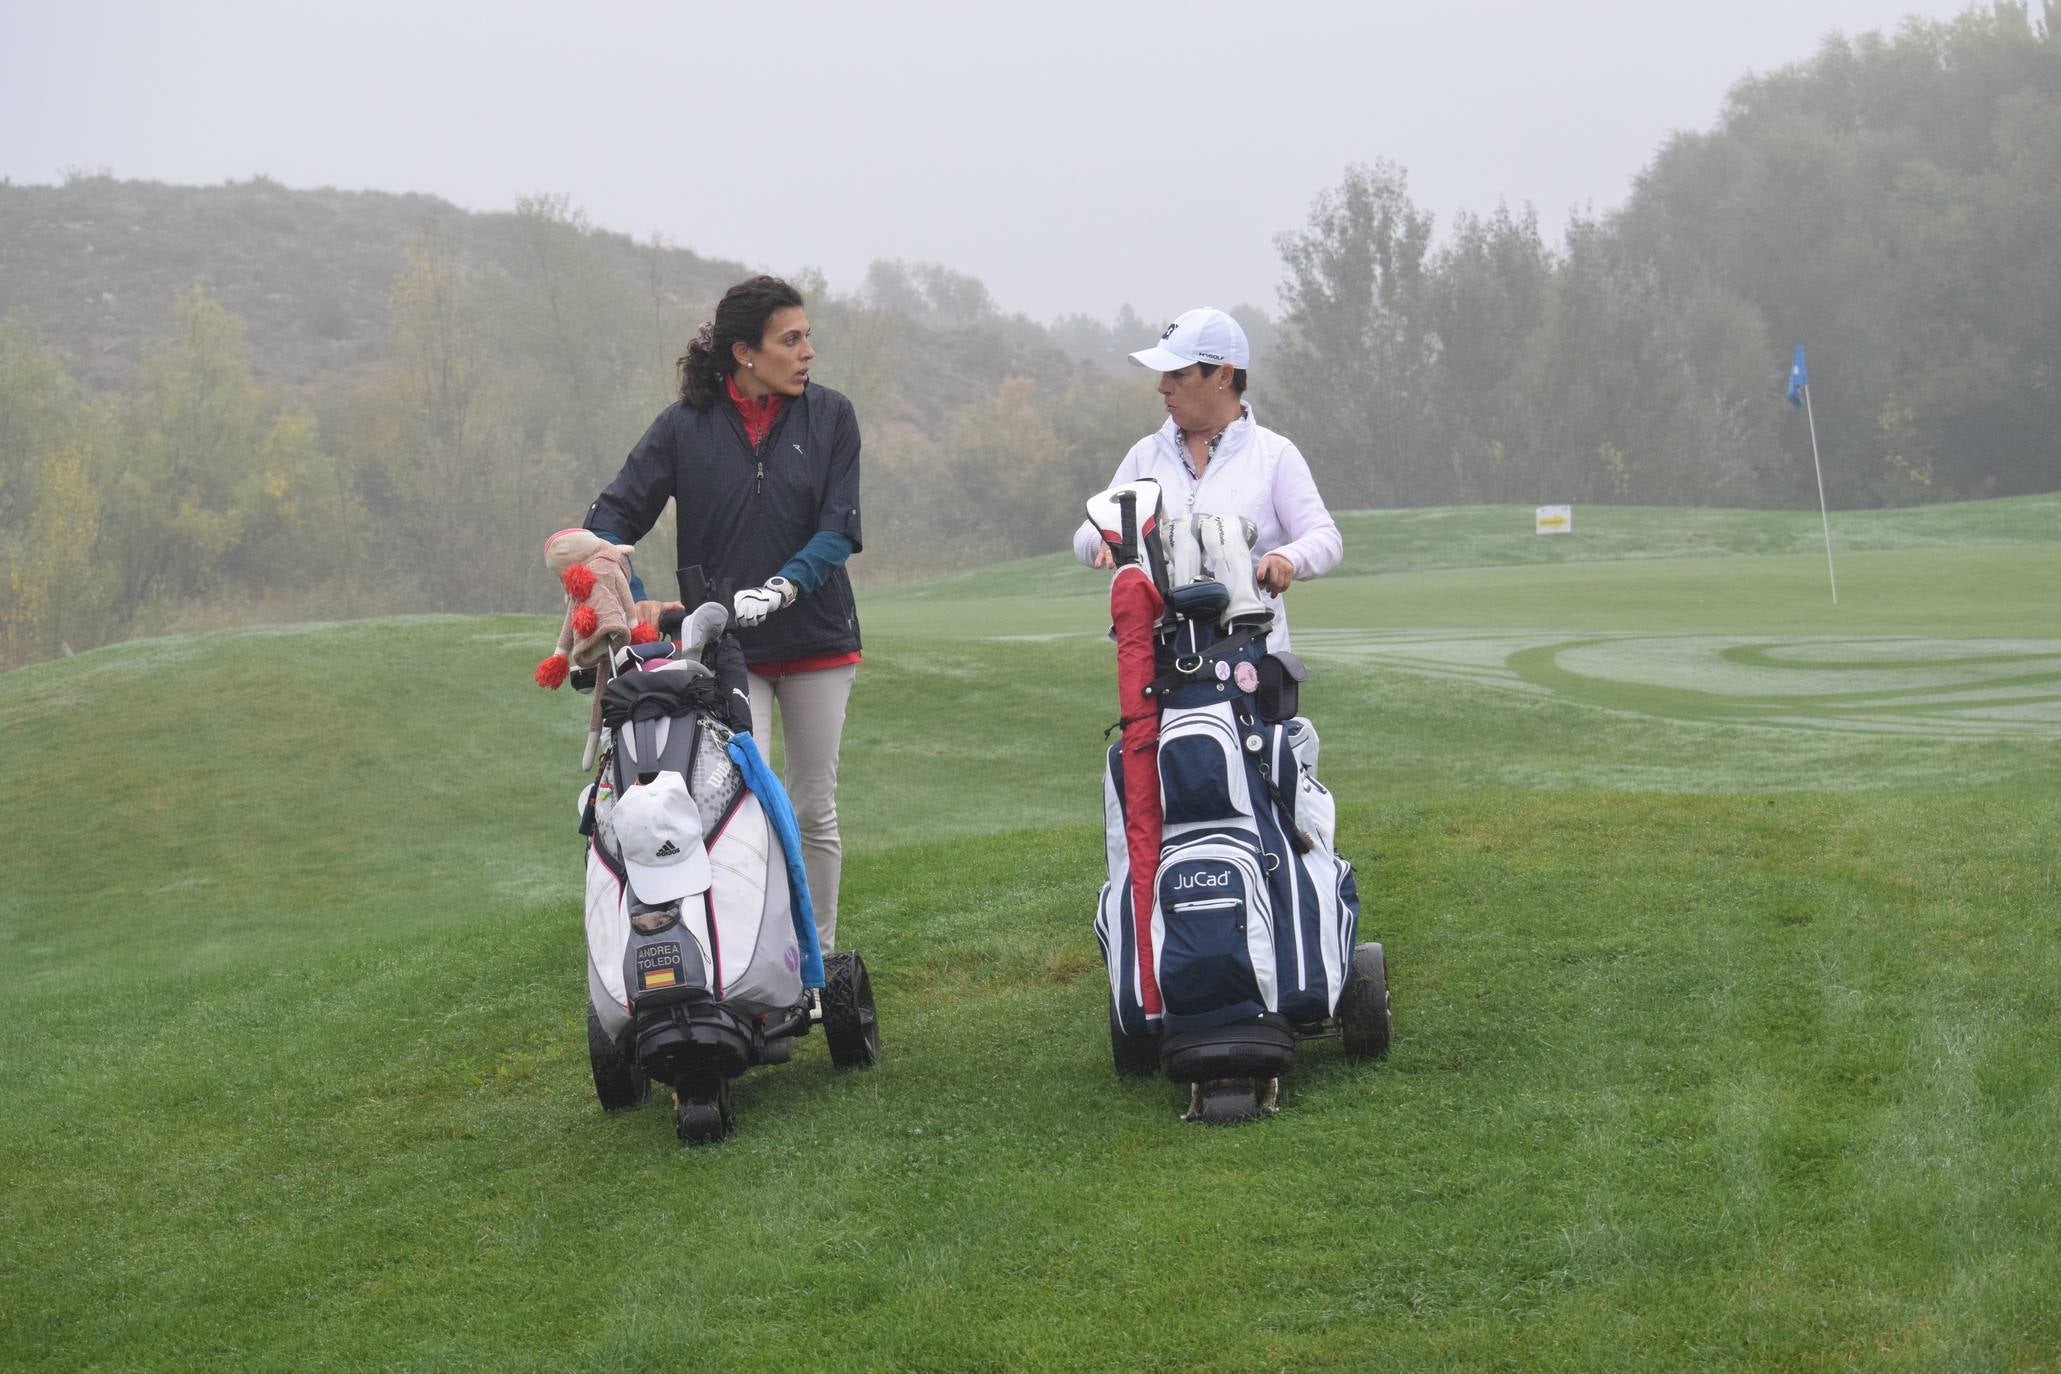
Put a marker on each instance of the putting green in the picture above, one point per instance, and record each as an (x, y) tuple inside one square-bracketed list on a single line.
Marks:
[(1960, 688)]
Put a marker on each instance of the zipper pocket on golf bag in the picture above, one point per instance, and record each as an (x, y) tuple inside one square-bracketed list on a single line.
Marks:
[(1202, 773), (1316, 811), (1213, 928)]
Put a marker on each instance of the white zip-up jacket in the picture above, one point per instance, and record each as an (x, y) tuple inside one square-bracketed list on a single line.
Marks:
[(1257, 474)]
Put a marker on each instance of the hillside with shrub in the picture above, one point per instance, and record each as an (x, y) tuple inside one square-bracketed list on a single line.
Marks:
[(219, 403)]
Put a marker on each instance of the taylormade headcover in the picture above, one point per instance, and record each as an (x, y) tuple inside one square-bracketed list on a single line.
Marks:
[(1184, 555), (1226, 543)]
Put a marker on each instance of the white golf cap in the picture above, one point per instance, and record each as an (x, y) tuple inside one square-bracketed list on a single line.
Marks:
[(1206, 335), (658, 829)]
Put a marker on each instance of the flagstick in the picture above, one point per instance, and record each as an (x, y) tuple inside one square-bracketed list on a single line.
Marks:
[(1823, 518)]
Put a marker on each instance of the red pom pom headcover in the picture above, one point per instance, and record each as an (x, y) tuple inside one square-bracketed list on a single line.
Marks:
[(551, 672), (584, 621), (643, 632), (579, 581)]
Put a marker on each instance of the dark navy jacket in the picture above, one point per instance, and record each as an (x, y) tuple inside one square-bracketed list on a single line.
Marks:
[(744, 513)]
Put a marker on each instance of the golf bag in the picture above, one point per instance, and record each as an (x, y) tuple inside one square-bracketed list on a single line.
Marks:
[(689, 891), (747, 927), (1252, 908), (1228, 920)]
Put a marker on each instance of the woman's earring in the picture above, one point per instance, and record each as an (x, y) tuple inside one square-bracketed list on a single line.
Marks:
[(752, 365)]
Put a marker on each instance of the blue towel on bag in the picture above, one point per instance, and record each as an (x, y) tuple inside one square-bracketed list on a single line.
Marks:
[(773, 797)]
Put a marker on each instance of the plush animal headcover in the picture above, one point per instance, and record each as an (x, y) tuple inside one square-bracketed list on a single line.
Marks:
[(599, 613)]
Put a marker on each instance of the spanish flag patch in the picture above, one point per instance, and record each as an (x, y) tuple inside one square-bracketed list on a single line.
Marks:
[(658, 978)]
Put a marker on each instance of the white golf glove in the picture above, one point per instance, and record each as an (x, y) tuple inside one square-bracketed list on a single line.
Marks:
[(754, 604)]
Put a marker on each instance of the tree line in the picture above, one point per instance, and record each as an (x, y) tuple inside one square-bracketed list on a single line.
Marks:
[(1889, 203)]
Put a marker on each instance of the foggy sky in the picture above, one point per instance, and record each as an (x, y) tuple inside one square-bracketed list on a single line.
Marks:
[(1074, 156)]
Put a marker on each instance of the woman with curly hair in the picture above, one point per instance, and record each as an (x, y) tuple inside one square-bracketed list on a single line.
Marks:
[(762, 467)]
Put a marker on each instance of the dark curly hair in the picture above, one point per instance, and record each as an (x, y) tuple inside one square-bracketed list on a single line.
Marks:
[(741, 317)]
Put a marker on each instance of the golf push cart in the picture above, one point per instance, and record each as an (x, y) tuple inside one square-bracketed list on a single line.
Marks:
[(1229, 922), (702, 955)]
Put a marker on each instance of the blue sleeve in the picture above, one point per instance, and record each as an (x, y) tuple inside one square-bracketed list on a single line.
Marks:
[(629, 564), (822, 555)]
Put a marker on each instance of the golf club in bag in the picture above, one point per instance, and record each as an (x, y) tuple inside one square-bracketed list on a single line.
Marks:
[(1229, 921), (702, 956)]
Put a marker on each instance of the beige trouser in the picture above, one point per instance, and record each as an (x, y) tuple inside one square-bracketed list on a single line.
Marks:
[(811, 724)]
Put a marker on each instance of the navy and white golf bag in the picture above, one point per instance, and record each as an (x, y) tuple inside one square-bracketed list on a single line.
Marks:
[(1249, 941), (1254, 910)]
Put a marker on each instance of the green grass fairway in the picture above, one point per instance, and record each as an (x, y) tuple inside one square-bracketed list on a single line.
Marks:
[(1721, 928)]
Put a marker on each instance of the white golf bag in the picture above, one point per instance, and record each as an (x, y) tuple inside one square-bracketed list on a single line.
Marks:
[(702, 957), (737, 915)]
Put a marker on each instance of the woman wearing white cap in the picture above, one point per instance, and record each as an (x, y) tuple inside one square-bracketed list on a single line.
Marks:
[(1212, 458)]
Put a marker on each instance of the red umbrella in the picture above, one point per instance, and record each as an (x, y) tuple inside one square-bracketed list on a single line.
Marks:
[(1134, 609)]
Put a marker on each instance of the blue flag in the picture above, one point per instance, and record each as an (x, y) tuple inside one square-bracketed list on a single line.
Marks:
[(1798, 378)]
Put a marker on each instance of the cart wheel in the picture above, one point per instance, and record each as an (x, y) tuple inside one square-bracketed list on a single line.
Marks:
[(701, 1110), (1224, 1103), (1135, 1056), (849, 1021), (1363, 1013), (618, 1082)]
